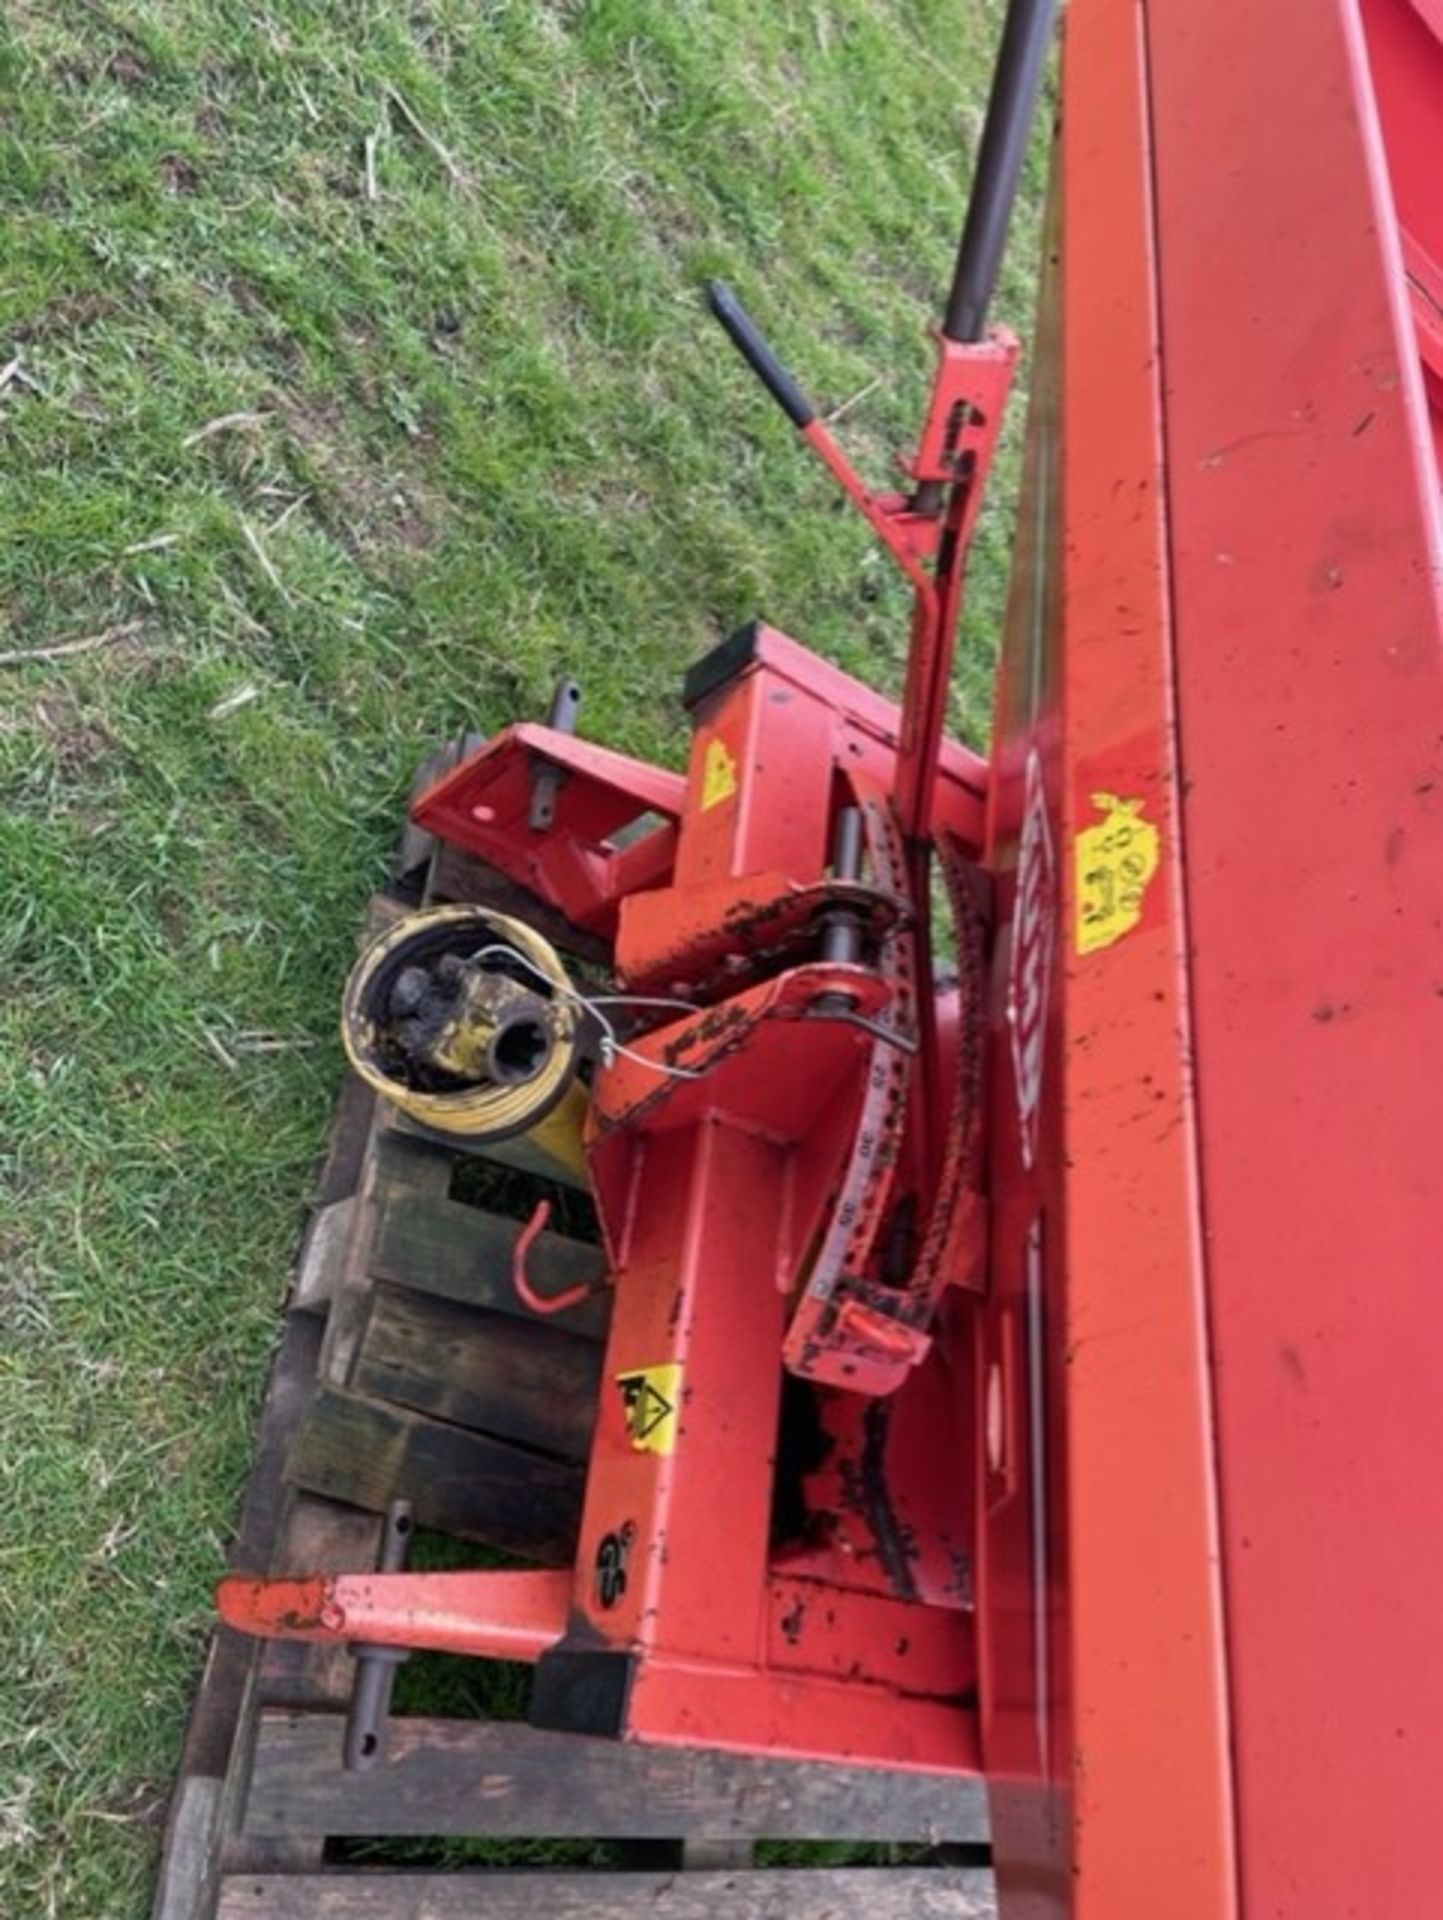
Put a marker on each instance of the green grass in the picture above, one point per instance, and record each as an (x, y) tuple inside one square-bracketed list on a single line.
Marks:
[(489, 436)]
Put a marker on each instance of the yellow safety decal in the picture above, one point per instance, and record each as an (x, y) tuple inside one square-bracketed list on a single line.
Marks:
[(651, 1400), (1116, 858), (718, 775)]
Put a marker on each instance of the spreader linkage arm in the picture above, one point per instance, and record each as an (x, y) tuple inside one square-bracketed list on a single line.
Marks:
[(928, 529), (746, 337), (909, 544)]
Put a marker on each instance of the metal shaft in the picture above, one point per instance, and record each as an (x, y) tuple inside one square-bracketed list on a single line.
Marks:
[(842, 940), (545, 777), (842, 934), (1016, 82), (375, 1675)]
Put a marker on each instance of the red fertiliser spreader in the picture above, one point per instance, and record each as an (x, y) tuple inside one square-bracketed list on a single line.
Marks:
[(1017, 1177)]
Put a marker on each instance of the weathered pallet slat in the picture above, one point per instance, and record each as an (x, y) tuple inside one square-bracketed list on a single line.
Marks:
[(837, 1893), (346, 1144), (199, 1808), (205, 1804), (322, 1262), (185, 1883), (368, 1453), (463, 1254), (317, 1533), (533, 1384), (471, 1776), (407, 1160)]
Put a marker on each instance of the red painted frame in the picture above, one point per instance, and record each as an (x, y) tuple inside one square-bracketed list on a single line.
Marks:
[(1104, 1677), (1213, 1328), (1306, 555), (1177, 1601)]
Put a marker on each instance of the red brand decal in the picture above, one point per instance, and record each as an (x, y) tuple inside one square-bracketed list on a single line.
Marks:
[(1029, 973)]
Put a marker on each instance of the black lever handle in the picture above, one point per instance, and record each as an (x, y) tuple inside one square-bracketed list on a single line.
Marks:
[(747, 340)]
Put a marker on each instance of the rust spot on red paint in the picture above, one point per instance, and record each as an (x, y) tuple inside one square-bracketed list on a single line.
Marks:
[(1326, 1012)]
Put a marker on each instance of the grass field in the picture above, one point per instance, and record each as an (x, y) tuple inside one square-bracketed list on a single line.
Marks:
[(355, 384)]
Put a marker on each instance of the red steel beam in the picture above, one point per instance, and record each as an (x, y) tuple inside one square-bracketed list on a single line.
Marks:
[(496, 1615), (1305, 557), (1105, 1685)]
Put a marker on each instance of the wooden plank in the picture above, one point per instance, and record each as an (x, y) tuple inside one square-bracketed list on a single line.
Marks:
[(510, 1780), (369, 1454), (461, 876), (417, 848), (320, 1533), (405, 1158), (340, 1173), (323, 1254), (346, 1323), (532, 1383), (800, 1893), (202, 1803), (398, 1161), (228, 1659), (318, 1536), (287, 1673), (311, 1533), (187, 1869), (292, 1373), (465, 1254)]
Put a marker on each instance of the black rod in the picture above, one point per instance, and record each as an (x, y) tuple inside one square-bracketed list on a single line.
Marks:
[(747, 338), (1016, 83)]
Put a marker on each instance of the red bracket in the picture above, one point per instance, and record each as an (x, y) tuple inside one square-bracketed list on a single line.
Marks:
[(959, 433), (969, 391)]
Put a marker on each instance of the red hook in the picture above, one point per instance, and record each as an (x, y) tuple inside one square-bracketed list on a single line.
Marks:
[(525, 1292)]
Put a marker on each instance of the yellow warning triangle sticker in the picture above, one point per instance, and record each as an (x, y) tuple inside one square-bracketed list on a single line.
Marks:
[(718, 775), (651, 1400)]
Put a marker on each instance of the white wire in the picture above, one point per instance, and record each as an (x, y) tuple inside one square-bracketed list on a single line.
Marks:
[(640, 1000)]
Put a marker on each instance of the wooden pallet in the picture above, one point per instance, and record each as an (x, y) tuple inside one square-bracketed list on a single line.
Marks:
[(408, 1369)]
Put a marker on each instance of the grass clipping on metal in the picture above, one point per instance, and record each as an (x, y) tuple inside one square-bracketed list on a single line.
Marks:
[(356, 384)]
